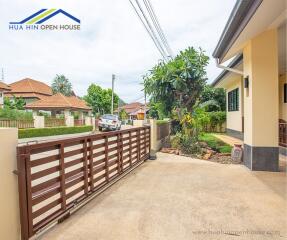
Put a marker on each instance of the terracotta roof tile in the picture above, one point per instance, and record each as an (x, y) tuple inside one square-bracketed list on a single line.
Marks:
[(59, 101), (29, 85), (25, 95), (132, 107), (4, 86)]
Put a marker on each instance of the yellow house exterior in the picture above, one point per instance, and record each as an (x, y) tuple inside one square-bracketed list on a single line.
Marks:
[(255, 80)]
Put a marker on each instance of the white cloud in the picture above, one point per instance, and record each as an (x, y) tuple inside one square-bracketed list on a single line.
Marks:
[(111, 40)]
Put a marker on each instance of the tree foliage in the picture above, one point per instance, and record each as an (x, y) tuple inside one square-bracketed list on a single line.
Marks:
[(61, 84), (100, 99), (179, 82), (123, 114), (14, 103), (213, 99)]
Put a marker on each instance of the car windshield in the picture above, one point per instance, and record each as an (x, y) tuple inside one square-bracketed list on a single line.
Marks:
[(110, 117)]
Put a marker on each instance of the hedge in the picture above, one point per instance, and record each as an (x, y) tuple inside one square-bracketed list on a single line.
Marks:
[(160, 122), (44, 132)]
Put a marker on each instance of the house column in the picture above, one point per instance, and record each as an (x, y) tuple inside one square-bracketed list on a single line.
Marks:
[(261, 103), (68, 118)]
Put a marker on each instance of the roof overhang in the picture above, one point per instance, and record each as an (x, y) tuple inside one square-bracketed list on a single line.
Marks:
[(50, 108), (237, 63), (248, 19)]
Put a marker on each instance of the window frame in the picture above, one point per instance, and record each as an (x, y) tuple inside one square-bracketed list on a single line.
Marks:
[(233, 100)]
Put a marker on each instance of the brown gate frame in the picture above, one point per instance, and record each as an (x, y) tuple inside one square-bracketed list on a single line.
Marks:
[(132, 148)]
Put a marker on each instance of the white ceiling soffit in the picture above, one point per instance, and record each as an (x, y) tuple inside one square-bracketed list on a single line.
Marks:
[(270, 14)]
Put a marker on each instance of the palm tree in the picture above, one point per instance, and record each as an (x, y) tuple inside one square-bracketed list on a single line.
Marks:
[(61, 84)]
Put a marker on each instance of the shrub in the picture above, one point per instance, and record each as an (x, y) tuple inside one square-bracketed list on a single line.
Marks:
[(161, 122), (189, 145), (43, 132), (14, 114), (175, 126), (175, 141), (215, 120)]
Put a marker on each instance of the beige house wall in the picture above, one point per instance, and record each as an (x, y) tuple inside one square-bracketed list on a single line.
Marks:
[(282, 105), (234, 118), (9, 207), (261, 112)]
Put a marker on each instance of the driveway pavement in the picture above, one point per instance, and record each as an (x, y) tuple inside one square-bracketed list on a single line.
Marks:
[(176, 198)]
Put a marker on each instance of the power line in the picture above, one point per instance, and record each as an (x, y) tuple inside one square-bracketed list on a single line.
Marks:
[(158, 26), (149, 28)]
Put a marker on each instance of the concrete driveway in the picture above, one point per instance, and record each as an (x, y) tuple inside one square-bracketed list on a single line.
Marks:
[(181, 198)]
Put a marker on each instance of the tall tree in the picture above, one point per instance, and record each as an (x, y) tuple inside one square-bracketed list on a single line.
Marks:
[(61, 84), (100, 99), (179, 82)]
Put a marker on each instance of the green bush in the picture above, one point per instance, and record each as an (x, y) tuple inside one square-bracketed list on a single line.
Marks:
[(189, 145), (175, 141), (215, 143), (43, 132), (161, 122), (14, 114), (211, 121)]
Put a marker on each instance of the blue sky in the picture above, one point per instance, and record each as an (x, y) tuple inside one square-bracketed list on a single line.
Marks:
[(111, 40)]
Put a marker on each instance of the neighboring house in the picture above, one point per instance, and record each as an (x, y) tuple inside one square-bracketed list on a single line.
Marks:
[(133, 110), (4, 88), (30, 90), (59, 103), (39, 96), (255, 80)]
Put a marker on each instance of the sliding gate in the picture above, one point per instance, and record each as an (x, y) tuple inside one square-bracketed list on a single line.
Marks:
[(54, 177)]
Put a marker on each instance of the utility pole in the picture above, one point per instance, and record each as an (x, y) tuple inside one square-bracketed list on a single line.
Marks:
[(113, 83)]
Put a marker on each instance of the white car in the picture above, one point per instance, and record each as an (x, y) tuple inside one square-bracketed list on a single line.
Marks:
[(109, 122)]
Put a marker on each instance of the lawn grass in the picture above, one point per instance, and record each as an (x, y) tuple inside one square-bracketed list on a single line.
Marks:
[(215, 143)]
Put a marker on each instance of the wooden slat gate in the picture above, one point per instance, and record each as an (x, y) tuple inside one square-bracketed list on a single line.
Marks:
[(56, 176)]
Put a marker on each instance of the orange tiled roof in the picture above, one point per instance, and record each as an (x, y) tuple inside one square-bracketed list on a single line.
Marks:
[(4, 86), (59, 101), (132, 107), (25, 95), (28, 85)]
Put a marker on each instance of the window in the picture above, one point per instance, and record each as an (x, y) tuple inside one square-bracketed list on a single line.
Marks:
[(233, 100), (285, 93)]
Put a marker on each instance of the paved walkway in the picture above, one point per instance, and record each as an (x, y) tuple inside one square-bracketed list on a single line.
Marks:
[(176, 198), (231, 141), (228, 139)]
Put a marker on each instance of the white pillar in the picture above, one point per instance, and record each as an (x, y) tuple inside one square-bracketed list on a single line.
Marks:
[(39, 121), (9, 197), (81, 115), (68, 118), (153, 135), (88, 121), (35, 113), (138, 123)]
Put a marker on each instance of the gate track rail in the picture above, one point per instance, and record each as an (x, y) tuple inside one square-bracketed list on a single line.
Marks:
[(56, 176)]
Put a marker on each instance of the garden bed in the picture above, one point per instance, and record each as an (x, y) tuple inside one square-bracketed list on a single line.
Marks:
[(211, 149)]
